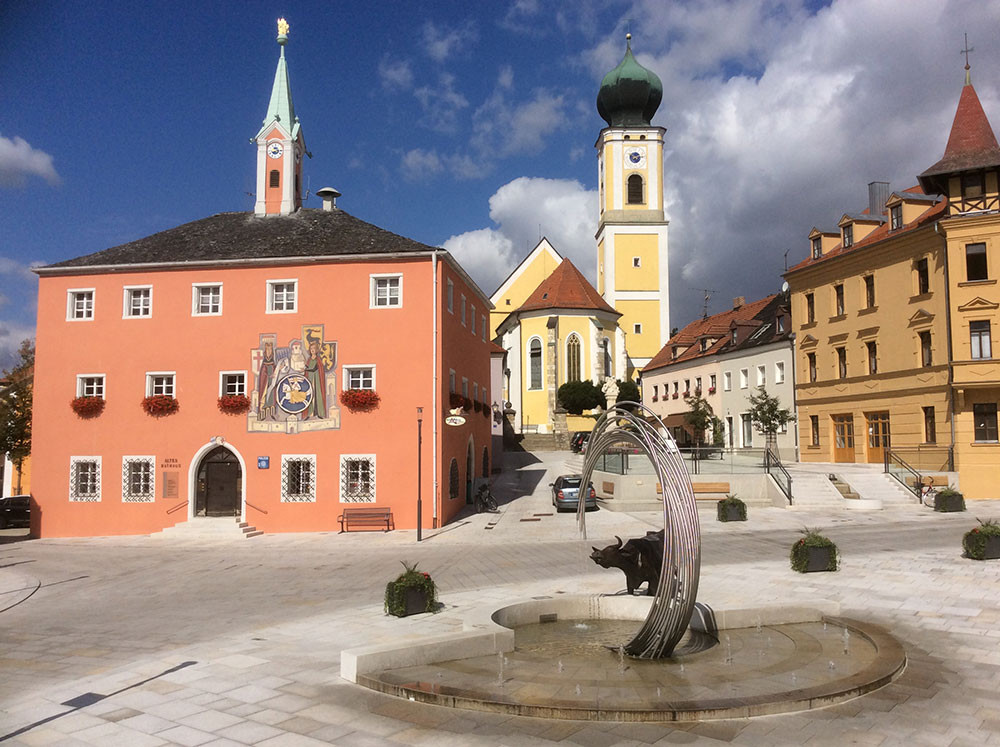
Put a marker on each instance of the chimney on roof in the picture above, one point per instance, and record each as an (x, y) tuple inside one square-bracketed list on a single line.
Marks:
[(738, 302), (329, 196), (878, 194)]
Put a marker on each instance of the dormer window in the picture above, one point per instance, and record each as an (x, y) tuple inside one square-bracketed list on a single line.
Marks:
[(896, 217), (817, 247), (848, 236), (635, 190), (704, 345), (781, 324), (734, 335), (673, 351)]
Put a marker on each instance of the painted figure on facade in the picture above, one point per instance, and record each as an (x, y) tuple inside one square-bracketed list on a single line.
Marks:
[(295, 388)]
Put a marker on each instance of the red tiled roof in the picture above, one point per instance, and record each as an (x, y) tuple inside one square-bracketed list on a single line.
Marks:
[(566, 288), (496, 349), (972, 144), (932, 213), (716, 326)]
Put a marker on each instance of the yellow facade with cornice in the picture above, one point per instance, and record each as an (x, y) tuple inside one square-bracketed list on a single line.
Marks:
[(522, 282)]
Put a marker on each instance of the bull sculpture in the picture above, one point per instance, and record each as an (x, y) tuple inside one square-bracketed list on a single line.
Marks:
[(640, 559)]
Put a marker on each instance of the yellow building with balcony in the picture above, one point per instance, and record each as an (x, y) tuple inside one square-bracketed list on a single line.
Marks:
[(893, 317)]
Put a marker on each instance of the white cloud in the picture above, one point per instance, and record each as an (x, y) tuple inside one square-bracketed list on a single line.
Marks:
[(395, 74), (441, 104), (523, 210), (502, 128), (11, 336), (18, 161), (417, 164), (440, 43)]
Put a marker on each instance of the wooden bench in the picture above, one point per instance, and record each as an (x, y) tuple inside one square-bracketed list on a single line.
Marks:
[(704, 491), (366, 516)]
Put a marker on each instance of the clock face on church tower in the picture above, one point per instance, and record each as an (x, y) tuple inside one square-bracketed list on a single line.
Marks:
[(635, 157), (274, 150)]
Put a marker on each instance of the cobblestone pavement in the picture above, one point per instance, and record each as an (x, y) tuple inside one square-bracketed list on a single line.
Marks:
[(141, 641)]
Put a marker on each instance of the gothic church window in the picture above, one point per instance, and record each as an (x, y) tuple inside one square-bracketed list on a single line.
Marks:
[(573, 359)]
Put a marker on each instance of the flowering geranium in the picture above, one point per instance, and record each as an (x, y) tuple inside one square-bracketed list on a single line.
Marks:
[(159, 405), (88, 407), (455, 401), (234, 404), (360, 400)]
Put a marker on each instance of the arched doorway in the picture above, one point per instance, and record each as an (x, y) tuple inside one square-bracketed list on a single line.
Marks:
[(470, 472), (220, 484)]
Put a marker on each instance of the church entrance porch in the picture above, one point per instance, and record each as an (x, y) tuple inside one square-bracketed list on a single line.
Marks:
[(220, 484)]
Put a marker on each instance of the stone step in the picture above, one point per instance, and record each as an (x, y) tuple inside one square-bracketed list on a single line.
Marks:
[(209, 527)]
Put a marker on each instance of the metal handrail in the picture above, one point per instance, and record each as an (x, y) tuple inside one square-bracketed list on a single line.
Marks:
[(258, 508), (891, 457), (178, 507), (773, 460)]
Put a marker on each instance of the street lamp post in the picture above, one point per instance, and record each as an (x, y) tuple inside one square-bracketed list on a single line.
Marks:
[(420, 422)]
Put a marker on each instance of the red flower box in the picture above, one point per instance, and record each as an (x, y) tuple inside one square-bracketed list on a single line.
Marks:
[(159, 405), (234, 404), (687, 394), (711, 390), (466, 404), (360, 400), (88, 407), (674, 395), (455, 401), (655, 398)]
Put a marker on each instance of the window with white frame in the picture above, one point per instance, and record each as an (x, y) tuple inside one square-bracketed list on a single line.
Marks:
[(90, 385), (79, 304), (386, 291), (138, 479), (232, 383), (451, 297), (282, 296), (779, 372), (744, 378), (357, 478), (138, 302), (85, 479), (298, 478), (761, 375), (711, 382), (727, 380), (359, 377), (160, 382), (206, 299), (463, 310)]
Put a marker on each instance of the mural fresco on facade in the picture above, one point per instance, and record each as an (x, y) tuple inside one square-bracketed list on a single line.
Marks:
[(294, 388)]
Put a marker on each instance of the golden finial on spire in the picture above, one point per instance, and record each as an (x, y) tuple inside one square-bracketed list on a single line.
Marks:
[(282, 27)]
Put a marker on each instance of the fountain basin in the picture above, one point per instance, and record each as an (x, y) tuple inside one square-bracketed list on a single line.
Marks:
[(527, 659)]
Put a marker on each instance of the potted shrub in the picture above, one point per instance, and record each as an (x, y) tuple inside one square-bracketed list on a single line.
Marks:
[(159, 405), (949, 499), (411, 593), (360, 400), (234, 404), (814, 552), (88, 407), (983, 542), (731, 508)]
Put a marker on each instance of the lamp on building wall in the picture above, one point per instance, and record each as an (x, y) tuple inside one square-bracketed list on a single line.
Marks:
[(497, 413)]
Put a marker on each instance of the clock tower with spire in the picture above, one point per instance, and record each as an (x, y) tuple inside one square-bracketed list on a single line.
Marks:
[(632, 272), (280, 146)]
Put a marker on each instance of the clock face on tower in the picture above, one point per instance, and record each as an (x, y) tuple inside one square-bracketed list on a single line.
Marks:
[(635, 157), (274, 150)]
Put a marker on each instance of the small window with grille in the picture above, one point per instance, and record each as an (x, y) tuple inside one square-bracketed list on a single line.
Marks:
[(298, 478), (85, 479), (138, 479), (357, 478)]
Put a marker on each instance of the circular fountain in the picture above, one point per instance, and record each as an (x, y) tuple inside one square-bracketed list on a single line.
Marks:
[(580, 657)]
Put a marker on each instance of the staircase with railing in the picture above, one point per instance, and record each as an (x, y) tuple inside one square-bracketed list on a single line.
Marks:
[(899, 469), (777, 471)]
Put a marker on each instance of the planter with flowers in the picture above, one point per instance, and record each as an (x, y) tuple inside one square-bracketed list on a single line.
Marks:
[(159, 405), (234, 404), (949, 499), (477, 405), (711, 390), (456, 401), (674, 395), (983, 542), (687, 394), (411, 593), (466, 404), (731, 508), (88, 407), (814, 552), (360, 400)]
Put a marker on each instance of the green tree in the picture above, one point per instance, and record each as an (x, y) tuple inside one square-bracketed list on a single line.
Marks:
[(700, 417), (628, 391), (767, 414), (15, 409), (577, 396)]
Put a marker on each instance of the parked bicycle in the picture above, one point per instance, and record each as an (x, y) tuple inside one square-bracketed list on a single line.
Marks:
[(928, 493), (484, 500)]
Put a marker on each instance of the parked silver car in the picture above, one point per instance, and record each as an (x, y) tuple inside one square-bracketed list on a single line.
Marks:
[(566, 493)]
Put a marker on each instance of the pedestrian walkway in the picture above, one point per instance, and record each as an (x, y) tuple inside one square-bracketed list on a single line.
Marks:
[(138, 641)]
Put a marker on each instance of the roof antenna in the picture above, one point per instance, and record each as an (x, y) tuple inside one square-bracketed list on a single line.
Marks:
[(968, 75), (708, 295), (786, 259)]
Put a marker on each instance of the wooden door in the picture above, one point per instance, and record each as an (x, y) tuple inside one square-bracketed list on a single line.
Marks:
[(878, 436), (843, 438), (222, 489)]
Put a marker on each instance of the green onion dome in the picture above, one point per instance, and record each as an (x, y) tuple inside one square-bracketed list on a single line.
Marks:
[(630, 94)]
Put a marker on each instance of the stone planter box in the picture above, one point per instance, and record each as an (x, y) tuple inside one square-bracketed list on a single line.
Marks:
[(949, 503), (819, 559), (730, 513)]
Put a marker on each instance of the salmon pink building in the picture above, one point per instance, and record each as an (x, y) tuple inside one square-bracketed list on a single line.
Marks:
[(275, 366)]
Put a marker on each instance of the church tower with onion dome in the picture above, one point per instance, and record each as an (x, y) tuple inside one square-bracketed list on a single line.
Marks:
[(632, 256), (280, 145)]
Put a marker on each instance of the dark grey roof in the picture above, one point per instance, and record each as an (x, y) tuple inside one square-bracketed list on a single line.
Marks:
[(244, 236)]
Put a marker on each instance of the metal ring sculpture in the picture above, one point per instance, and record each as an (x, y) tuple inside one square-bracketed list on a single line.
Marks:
[(675, 598)]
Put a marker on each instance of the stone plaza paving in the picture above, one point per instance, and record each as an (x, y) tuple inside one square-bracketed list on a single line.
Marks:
[(215, 641)]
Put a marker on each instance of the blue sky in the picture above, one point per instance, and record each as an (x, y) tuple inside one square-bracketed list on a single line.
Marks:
[(472, 125)]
